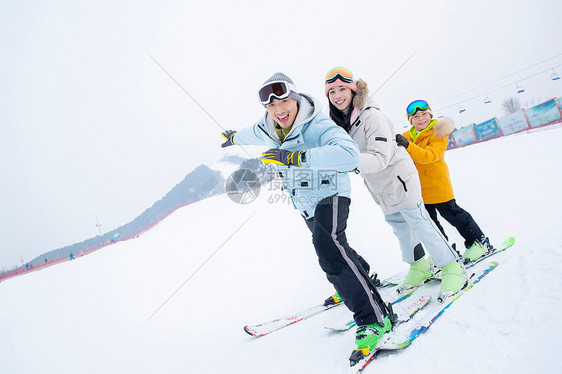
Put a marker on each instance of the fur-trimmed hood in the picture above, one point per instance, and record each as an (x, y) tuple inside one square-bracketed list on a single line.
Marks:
[(443, 127), (362, 97)]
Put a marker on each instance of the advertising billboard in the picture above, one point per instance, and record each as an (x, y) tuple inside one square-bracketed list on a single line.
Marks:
[(513, 123), (465, 136), (487, 130), (543, 113)]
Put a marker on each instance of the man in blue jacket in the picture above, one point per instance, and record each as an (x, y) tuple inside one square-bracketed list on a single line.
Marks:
[(313, 156)]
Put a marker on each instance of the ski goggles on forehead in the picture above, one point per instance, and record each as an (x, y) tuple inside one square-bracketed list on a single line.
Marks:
[(339, 73), (278, 90), (416, 106)]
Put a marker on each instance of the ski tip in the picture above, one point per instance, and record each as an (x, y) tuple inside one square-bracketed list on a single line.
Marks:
[(508, 242), (251, 332)]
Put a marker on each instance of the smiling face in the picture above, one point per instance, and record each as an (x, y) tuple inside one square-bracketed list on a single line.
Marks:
[(283, 111), (421, 120), (340, 97)]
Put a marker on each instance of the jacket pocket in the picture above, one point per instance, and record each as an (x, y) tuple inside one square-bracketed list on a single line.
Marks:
[(403, 183), (395, 191)]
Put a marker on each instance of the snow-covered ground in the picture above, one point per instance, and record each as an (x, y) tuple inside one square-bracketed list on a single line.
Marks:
[(117, 310)]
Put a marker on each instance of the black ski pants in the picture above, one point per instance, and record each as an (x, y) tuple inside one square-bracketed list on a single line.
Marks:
[(344, 268), (458, 218)]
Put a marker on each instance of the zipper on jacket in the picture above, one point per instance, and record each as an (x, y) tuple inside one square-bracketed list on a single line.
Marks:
[(269, 136), (288, 139), (285, 140)]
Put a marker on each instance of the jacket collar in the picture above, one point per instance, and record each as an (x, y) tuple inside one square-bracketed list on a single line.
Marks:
[(414, 134), (308, 109)]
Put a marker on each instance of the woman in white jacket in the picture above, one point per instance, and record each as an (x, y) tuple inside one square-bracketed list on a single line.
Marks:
[(393, 181)]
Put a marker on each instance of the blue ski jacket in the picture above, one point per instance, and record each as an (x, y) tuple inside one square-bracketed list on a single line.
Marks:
[(330, 154)]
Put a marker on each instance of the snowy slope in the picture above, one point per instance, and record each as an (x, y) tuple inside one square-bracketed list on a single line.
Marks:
[(93, 315)]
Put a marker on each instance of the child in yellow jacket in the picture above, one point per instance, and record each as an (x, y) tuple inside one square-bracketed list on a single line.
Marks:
[(426, 142)]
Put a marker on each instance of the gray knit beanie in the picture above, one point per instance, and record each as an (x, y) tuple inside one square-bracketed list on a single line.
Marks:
[(282, 77)]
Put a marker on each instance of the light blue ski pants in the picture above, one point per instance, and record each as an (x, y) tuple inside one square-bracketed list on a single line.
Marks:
[(412, 226)]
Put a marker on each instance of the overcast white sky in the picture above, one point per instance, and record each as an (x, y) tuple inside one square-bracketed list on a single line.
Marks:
[(91, 126)]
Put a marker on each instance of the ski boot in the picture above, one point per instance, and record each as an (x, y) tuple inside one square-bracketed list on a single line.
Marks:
[(478, 249), (367, 337), (486, 244), (453, 280), (332, 300), (419, 272)]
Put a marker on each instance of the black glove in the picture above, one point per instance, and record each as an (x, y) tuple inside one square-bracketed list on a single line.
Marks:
[(282, 157), (228, 135), (401, 140)]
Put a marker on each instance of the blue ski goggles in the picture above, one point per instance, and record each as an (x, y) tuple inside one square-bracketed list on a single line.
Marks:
[(416, 106)]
